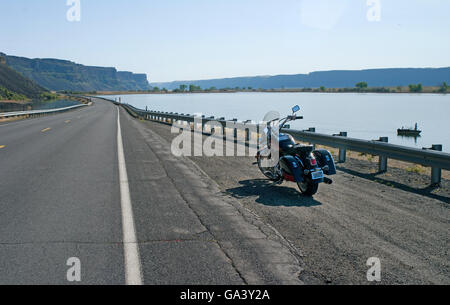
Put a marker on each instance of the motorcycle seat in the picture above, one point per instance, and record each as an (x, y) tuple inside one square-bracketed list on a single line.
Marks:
[(303, 149), (298, 149)]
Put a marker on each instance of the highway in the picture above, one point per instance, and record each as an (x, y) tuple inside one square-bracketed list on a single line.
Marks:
[(81, 185)]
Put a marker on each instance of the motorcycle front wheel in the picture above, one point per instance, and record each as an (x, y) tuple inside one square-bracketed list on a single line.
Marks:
[(269, 172), (308, 188)]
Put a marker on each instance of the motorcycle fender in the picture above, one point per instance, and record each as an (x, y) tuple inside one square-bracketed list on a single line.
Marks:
[(292, 167), (323, 158)]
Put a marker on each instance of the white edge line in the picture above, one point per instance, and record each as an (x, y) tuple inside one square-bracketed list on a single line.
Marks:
[(133, 273)]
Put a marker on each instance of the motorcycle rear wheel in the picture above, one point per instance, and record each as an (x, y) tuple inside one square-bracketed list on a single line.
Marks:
[(308, 188)]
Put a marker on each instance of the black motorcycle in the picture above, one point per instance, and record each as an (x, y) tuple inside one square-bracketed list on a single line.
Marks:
[(280, 158)]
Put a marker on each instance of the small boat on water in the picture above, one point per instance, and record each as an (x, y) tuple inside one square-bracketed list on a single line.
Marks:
[(409, 132)]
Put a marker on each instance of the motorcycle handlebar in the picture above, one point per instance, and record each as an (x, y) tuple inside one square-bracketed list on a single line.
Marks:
[(286, 119), (294, 117)]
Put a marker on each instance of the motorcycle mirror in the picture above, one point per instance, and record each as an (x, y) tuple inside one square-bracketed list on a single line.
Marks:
[(295, 109)]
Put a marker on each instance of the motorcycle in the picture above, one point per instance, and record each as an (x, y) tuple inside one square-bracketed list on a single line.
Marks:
[(280, 158)]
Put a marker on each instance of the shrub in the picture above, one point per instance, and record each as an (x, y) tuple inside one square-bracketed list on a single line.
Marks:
[(415, 88)]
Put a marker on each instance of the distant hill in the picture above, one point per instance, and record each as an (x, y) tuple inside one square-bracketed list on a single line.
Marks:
[(59, 75), (15, 86), (330, 79)]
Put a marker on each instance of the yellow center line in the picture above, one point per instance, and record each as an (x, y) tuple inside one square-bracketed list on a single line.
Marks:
[(46, 129), (2, 146)]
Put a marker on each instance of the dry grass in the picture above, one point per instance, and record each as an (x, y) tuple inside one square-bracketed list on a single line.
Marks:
[(12, 119)]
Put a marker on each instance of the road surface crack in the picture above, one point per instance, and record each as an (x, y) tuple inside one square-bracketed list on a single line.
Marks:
[(208, 229)]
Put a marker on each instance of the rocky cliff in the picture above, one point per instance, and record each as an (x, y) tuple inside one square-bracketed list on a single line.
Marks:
[(15, 86), (59, 75), (330, 79)]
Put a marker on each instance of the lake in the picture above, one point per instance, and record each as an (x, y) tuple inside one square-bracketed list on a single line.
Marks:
[(363, 115), (54, 104)]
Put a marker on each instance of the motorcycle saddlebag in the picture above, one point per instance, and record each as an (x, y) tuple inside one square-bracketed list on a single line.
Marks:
[(323, 158), (292, 167)]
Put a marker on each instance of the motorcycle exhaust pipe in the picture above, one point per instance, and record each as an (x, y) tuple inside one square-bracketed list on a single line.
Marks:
[(327, 181), (270, 175)]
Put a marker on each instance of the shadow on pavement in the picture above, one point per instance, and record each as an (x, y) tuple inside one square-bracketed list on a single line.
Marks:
[(271, 195)]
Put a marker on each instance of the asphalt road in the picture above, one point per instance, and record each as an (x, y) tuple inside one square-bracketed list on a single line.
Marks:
[(62, 196)]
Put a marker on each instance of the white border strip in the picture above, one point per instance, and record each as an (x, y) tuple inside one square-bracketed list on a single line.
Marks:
[(133, 273)]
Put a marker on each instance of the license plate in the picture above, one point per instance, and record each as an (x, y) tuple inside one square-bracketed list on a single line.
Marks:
[(317, 175)]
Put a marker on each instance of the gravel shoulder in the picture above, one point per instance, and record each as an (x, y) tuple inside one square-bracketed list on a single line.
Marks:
[(394, 216)]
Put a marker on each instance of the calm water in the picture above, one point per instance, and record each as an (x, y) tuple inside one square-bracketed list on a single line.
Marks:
[(54, 104), (365, 116)]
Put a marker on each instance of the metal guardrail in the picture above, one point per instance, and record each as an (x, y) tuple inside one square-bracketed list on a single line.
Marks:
[(33, 113), (431, 157)]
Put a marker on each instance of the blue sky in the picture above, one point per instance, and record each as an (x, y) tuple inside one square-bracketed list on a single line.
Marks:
[(201, 39)]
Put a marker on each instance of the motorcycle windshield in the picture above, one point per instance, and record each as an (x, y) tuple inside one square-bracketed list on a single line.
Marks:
[(269, 139), (271, 115), (272, 128)]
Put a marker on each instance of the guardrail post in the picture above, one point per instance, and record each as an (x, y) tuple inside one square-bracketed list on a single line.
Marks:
[(247, 132), (207, 127), (312, 129), (383, 160), (436, 172), (235, 131), (342, 151), (224, 129), (202, 124)]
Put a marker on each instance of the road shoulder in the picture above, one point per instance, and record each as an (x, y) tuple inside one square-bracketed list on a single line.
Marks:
[(254, 249)]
